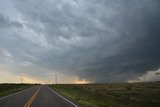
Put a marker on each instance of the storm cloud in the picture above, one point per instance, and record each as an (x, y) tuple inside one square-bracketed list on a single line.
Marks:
[(95, 40)]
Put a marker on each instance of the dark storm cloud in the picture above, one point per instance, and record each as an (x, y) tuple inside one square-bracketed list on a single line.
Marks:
[(5, 22), (139, 32), (101, 41)]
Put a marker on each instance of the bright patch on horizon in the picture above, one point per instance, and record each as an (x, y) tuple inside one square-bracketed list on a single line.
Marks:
[(83, 81), (148, 77)]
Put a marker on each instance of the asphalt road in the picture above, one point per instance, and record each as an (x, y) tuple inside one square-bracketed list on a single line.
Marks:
[(37, 96)]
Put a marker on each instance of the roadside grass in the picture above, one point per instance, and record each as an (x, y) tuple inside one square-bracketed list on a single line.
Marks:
[(112, 94), (84, 97), (6, 89)]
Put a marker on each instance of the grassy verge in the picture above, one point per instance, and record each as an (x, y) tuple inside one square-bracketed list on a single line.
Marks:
[(112, 95), (84, 97), (6, 89)]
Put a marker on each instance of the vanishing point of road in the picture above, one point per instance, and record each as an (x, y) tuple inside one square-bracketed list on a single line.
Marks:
[(37, 96)]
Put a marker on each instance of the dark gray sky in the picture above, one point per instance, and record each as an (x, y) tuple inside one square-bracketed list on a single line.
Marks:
[(80, 40)]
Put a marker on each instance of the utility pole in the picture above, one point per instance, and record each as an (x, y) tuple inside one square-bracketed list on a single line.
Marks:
[(49, 81), (21, 80), (56, 78)]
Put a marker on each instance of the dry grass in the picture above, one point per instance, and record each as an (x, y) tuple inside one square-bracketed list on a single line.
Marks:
[(113, 94)]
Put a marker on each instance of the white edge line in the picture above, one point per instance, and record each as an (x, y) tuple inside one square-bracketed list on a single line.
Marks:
[(15, 93), (62, 97)]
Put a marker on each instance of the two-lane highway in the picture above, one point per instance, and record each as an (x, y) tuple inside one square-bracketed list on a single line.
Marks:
[(37, 96)]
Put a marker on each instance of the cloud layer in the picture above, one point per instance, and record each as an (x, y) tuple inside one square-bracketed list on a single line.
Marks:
[(98, 41)]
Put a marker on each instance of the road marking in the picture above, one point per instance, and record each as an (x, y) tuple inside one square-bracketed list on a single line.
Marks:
[(29, 102), (15, 93), (62, 97)]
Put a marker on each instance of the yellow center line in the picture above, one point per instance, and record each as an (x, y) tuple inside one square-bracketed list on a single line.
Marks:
[(29, 102)]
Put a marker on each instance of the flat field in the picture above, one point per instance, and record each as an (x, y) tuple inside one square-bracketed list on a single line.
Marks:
[(6, 89), (112, 94)]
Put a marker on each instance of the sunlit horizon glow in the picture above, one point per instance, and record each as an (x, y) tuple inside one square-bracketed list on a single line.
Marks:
[(12, 78), (150, 76), (81, 82)]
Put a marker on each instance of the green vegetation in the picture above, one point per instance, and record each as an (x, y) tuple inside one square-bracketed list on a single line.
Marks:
[(6, 89), (112, 94)]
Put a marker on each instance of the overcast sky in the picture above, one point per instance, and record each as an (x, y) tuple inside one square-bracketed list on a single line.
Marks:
[(80, 40)]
